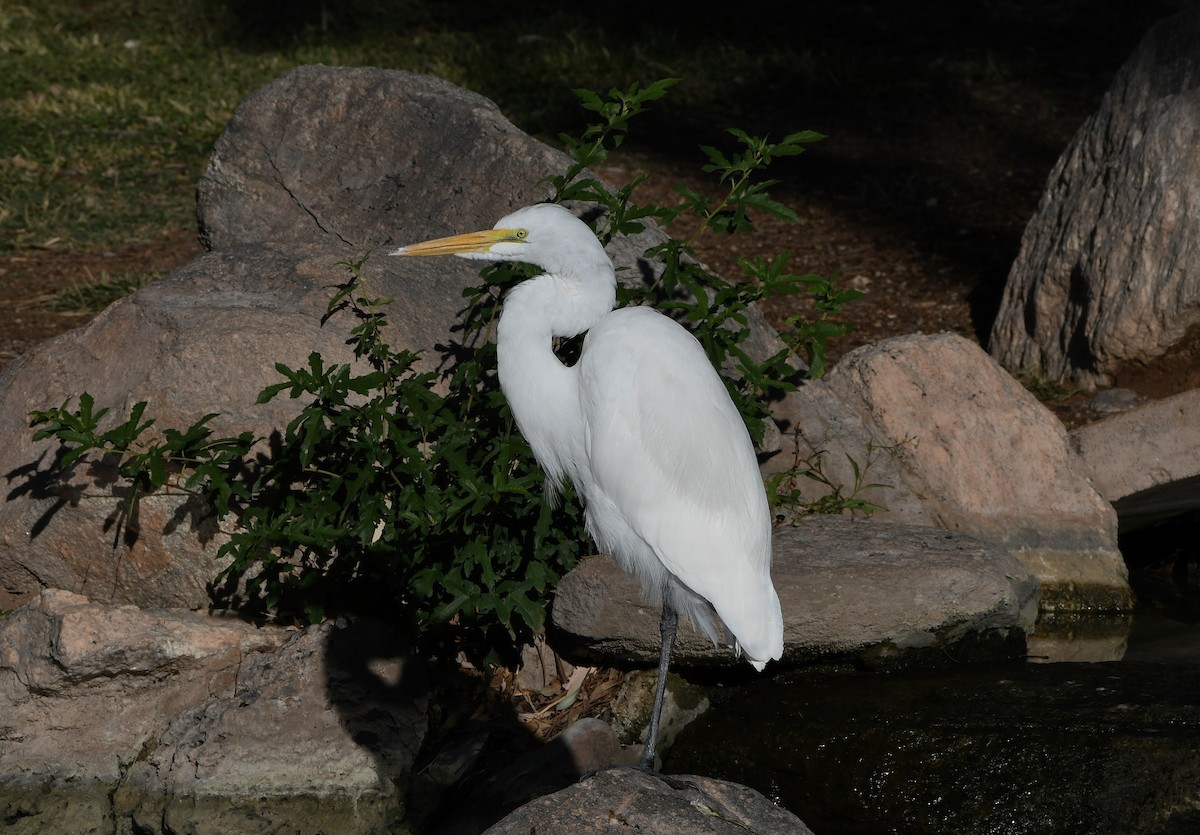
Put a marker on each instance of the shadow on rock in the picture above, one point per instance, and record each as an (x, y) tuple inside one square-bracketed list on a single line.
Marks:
[(367, 674)]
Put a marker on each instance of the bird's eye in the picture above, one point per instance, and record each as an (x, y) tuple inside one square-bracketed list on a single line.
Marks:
[(522, 234)]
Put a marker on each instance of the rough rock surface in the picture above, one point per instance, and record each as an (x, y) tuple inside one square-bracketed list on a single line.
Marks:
[(630, 711), (172, 720), (1146, 461), (365, 158), (961, 445), (189, 344), (1107, 267), (628, 799), (846, 587)]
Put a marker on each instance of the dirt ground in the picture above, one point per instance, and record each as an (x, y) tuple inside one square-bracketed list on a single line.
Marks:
[(919, 196), (29, 278)]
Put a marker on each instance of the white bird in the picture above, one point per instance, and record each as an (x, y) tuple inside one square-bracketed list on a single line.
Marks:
[(642, 426)]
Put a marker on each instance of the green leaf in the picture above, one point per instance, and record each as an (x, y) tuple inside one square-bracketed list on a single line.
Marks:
[(590, 100), (532, 614)]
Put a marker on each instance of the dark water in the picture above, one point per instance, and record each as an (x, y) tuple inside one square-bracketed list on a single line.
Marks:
[(1103, 736)]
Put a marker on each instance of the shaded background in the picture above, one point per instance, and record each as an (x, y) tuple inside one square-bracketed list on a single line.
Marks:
[(944, 119)]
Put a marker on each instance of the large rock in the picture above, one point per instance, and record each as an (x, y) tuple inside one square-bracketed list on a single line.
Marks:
[(1146, 461), (178, 721), (960, 445), (1107, 267), (206, 338), (638, 801), (202, 340), (846, 587), (360, 158)]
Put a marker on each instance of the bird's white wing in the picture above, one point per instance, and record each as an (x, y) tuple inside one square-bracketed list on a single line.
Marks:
[(667, 447)]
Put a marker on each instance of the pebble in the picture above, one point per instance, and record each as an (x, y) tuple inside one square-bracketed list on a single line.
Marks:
[(1114, 400)]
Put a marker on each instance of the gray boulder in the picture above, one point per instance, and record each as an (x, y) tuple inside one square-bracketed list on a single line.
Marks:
[(360, 158), (1107, 267), (635, 800), (202, 340), (285, 199), (846, 587), (117, 718)]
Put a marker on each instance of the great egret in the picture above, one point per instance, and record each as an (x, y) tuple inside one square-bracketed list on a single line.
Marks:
[(644, 429)]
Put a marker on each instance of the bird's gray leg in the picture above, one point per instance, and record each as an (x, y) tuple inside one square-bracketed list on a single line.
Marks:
[(667, 626)]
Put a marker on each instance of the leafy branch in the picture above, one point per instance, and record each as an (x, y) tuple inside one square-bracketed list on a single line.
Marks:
[(715, 309), (787, 497)]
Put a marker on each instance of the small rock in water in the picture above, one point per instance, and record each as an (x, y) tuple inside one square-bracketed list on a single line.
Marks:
[(630, 799), (1114, 400), (682, 703)]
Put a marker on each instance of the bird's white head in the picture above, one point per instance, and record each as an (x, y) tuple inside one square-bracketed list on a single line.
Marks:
[(544, 234)]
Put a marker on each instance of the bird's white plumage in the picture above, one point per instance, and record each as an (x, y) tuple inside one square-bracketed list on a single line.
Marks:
[(670, 456), (642, 425)]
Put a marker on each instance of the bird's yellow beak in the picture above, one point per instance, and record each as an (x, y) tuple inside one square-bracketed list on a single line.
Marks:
[(469, 242)]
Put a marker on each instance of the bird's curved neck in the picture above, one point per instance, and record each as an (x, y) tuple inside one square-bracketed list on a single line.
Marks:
[(556, 305), (566, 304), (542, 392)]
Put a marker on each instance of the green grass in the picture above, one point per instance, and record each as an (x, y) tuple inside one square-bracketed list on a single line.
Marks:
[(97, 294), (108, 122), (1043, 387), (110, 109)]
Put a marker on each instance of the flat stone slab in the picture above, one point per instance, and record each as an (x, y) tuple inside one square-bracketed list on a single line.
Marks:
[(847, 587), (1146, 461)]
